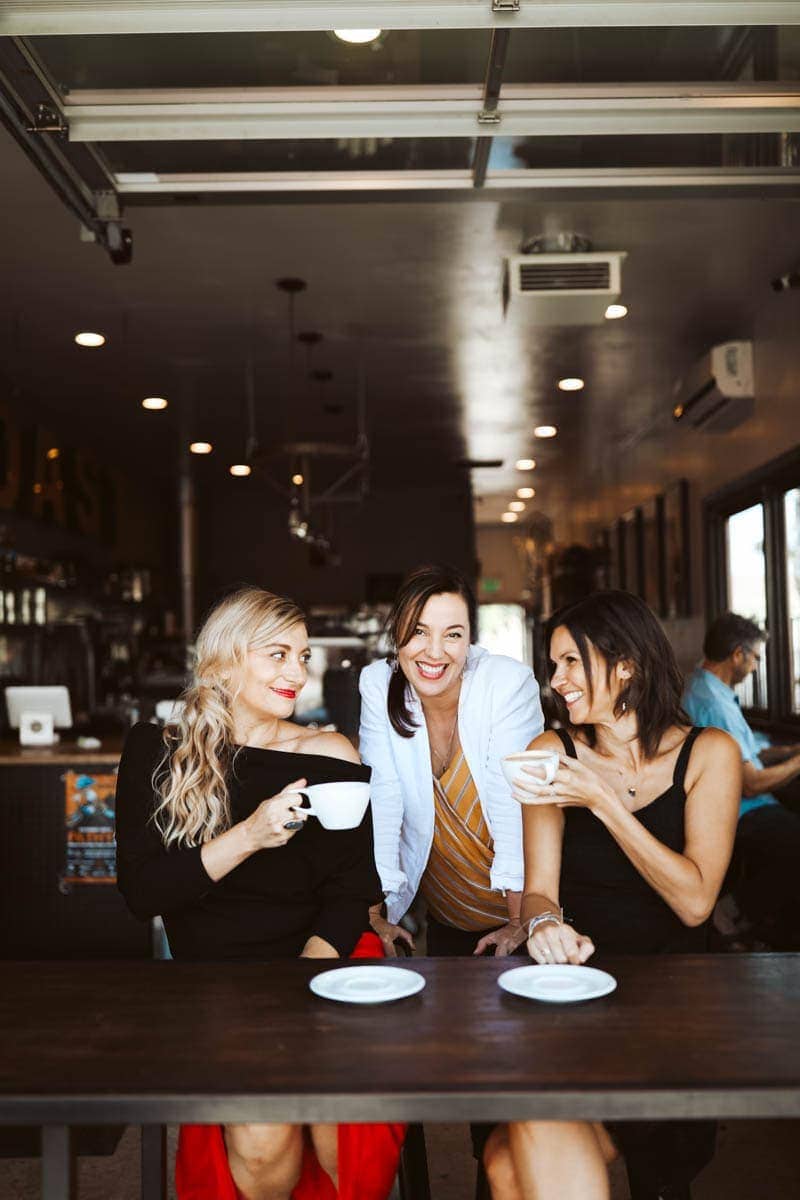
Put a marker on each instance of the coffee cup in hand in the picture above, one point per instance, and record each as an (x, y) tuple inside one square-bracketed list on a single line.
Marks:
[(339, 805), (540, 766)]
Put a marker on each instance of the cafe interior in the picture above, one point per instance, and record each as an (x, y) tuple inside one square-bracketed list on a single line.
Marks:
[(306, 294)]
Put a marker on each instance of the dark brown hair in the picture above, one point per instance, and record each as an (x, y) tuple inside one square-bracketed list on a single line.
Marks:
[(415, 592), (621, 628), (728, 633)]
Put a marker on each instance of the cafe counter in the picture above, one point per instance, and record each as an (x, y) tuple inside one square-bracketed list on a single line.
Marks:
[(58, 894)]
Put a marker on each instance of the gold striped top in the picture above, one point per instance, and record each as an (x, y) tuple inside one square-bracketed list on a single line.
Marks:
[(456, 884)]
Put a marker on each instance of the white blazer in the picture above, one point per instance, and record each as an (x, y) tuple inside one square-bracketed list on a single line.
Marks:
[(498, 713)]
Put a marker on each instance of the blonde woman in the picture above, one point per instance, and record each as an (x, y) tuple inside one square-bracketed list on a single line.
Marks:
[(210, 836)]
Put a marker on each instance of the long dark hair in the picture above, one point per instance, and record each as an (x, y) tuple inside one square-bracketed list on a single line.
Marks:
[(622, 628), (415, 591)]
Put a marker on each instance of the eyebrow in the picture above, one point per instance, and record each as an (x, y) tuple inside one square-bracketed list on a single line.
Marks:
[(284, 646), (422, 625)]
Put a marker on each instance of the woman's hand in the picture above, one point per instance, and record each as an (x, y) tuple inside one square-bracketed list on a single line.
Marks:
[(505, 940), (575, 785), (388, 933), (267, 827), (559, 943)]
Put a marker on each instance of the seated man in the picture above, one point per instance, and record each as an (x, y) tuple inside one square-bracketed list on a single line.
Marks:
[(768, 835)]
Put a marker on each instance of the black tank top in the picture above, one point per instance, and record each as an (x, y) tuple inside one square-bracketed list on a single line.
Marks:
[(603, 894)]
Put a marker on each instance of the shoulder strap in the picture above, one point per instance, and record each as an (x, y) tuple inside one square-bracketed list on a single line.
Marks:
[(683, 758), (567, 742)]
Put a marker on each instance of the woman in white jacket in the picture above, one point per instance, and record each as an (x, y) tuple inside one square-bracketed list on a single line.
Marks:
[(436, 719)]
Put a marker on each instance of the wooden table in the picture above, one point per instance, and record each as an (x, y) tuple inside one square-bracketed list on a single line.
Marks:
[(158, 1043)]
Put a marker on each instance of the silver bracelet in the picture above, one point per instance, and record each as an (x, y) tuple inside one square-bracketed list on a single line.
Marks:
[(534, 922)]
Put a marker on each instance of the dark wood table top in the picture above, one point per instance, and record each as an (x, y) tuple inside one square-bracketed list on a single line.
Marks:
[(64, 754), (166, 1042)]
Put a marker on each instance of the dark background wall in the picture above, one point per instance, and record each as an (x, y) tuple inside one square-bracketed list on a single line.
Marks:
[(243, 538)]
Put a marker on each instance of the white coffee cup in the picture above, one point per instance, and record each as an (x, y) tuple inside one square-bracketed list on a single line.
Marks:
[(544, 762), (339, 805)]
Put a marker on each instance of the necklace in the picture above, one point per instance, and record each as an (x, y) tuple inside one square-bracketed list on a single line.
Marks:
[(443, 759)]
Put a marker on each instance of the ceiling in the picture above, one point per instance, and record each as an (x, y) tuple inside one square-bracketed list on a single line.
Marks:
[(404, 281)]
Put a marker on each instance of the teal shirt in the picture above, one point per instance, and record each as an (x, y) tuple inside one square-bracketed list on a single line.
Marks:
[(709, 701)]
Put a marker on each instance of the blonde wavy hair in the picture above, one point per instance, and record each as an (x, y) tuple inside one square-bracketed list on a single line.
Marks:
[(191, 779)]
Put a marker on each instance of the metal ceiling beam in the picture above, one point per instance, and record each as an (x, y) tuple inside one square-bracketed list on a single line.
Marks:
[(491, 98), (31, 18), (523, 112), (140, 184)]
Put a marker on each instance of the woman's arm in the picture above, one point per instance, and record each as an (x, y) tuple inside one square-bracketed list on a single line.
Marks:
[(552, 940), (155, 879), (688, 882)]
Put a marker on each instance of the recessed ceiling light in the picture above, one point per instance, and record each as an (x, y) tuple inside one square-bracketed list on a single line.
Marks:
[(526, 493), (516, 506), (508, 518), (545, 431), (240, 469), (615, 311), (90, 340), (297, 479), (525, 464), (571, 384), (200, 447), (357, 37), (154, 403), (53, 452)]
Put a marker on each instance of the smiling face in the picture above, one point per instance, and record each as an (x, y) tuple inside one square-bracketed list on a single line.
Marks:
[(433, 659), (272, 676), (586, 705)]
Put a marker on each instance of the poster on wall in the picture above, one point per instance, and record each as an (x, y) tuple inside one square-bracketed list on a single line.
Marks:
[(89, 820)]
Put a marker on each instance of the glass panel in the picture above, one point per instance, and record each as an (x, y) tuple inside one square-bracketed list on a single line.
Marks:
[(747, 589), (791, 509), (501, 629), (663, 150), (334, 154), (700, 54), (263, 59)]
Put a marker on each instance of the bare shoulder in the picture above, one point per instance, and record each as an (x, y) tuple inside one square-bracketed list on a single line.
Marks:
[(716, 755), (328, 744), (549, 740)]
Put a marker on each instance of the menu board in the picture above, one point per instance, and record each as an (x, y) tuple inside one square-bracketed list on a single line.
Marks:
[(89, 819)]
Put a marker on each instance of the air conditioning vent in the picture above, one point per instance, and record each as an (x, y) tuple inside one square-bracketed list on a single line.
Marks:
[(718, 393), (564, 289), (567, 276)]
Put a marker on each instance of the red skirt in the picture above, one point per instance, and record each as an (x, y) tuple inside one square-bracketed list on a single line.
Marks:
[(368, 1154)]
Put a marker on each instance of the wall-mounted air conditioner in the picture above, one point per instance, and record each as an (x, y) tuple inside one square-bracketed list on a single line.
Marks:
[(718, 393), (564, 289)]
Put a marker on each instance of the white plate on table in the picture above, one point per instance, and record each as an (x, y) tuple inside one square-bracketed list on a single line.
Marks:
[(367, 985), (557, 983)]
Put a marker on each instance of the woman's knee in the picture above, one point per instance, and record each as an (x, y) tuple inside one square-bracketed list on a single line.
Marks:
[(264, 1145), (548, 1133), (499, 1165)]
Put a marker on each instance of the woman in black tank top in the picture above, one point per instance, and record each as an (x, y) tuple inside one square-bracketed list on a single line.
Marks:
[(626, 850)]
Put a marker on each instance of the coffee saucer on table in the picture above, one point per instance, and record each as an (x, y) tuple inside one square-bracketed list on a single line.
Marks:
[(557, 983), (369, 984)]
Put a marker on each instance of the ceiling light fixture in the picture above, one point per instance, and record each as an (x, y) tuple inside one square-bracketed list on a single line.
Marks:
[(241, 470), (357, 37), (154, 403), (298, 479), (53, 452), (525, 464), (545, 431), (615, 311), (571, 384), (200, 447), (508, 518), (526, 493), (90, 340), (516, 506)]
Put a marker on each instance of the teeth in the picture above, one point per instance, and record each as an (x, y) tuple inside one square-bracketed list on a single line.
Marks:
[(431, 672), (570, 696)]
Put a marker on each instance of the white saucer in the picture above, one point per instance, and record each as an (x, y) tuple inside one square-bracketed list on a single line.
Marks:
[(367, 984), (557, 983)]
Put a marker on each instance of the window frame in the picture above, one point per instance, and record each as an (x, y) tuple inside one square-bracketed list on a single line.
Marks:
[(766, 486)]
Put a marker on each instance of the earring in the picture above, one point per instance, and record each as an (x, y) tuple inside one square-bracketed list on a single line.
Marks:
[(395, 663)]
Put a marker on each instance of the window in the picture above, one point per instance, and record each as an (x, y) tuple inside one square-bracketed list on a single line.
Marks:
[(747, 589), (753, 568), (791, 511), (502, 630)]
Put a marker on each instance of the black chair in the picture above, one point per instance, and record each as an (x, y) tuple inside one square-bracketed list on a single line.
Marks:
[(413, 1182)]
